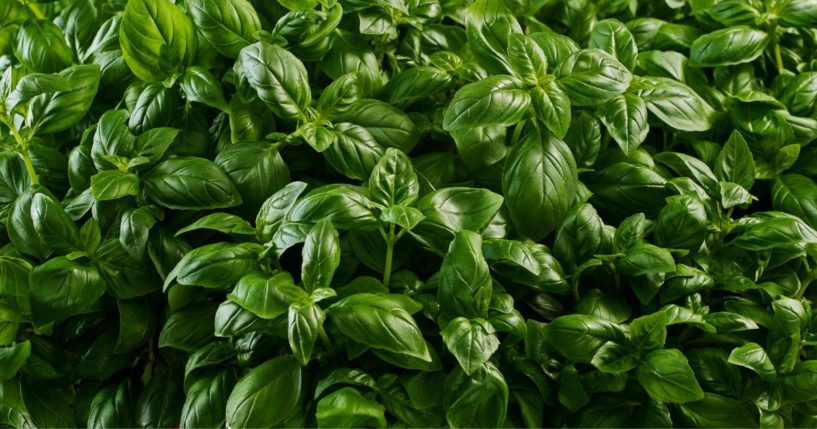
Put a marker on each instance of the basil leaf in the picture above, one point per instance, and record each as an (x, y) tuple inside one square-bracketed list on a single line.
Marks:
[(494, 101), (728, 46), (228, 26), (266, 395), (277, 78), (190, 183), (667, 377), (539, 181), (156, 38)]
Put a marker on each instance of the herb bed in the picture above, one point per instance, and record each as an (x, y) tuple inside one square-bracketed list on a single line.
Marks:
[(408, 213)]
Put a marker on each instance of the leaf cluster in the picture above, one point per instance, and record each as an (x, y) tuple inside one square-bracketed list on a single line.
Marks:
[(408, 213)]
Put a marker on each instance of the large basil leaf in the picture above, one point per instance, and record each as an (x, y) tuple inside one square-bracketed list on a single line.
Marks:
[(380, 322), (494, 101), (479, 400), (61, 288), (625, 118), (592, 76), (489, 24), (728, 46), (539, 183), (676, 104), (157, 39), (190, 183), (472, 342), (266, 395), (228, 25), (277, 77), (465, 281), (667, 377)]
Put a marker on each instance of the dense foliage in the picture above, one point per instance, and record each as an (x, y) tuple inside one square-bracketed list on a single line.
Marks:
[(260, 213)]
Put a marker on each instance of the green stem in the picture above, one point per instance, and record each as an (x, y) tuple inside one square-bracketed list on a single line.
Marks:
[(325, 339), (778, 57), (35, 10), (517, 132), (390, 240), (807, 281), (23, 151)]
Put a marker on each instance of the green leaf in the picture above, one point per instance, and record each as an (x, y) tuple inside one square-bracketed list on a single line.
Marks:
[(645, 258), (345, 206), (14, 283), (206, 400), (54, 226), (539, 182), (497, 100), (450, 210), (266, 395), (489, 24), (551, 105), (642, 188), (113, 184), (625, 117), (157, 39), (321, 256), (134, 229), (393, 180), (276, 208), (592, 77), (153, 143), (56, 101), (277, 77), (580, 236), (583, 335), (613, 37), (511, 252), (798, 13), (12, 358), (465, 280), (353, 151), (752, 356), (667, 377), (648, 333), (189, 328), (215, 265), (472, 342), (228, 25), (389, 126), (267, 296), (793, 193), (571, 392), (256, 169), (716, 411), (728, 46), (479, 400), (41, 47), (304, 322), (48, 406), (380, 322), (200, 85), (614, 358), (347, 408), (675, 104), (407, 88), (735, 162), (190, 183), (405, 217), (527, 59), (61, 288), (221, 222), (682, 223)]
